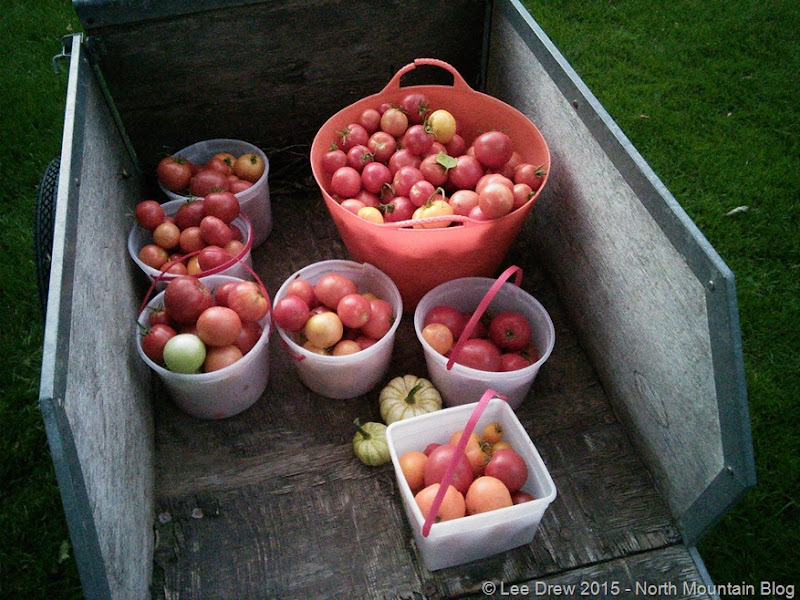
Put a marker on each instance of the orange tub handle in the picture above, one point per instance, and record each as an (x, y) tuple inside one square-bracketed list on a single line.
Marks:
[(458, 81)]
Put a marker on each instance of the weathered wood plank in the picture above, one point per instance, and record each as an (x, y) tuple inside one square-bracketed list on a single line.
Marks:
[(285, 469)]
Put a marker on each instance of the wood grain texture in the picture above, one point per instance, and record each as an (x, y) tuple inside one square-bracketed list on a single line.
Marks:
[(108, 393), (291, 65), (639, 309), (273, 499)]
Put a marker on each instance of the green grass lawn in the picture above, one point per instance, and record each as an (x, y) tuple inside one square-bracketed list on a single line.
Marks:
[(707, 92)]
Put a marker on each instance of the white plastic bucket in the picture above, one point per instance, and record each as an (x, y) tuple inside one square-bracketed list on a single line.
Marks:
[(237, 267), (460, 384), (355, 374), (218, 394), (473, 537), (254, 201)]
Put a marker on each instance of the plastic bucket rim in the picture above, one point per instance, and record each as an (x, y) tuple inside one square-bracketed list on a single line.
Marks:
[(460, 369), (199, 377), (324, 359), (166, 277), (222, 141)]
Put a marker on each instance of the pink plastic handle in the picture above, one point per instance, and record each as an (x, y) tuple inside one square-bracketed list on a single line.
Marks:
[(458, 81), (451, 468), (484, 304)]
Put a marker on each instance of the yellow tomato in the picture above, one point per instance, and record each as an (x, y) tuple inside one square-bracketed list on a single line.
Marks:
[(371, 214), (443, 125), (436, 208)]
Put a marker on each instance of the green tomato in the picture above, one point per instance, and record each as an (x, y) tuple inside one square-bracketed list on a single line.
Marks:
[(184, 353), (370, 444)]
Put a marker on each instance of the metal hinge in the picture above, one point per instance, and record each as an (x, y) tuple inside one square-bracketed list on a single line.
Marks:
[(66, 52)]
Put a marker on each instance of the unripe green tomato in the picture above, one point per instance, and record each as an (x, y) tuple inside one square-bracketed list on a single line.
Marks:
[(184, 353)]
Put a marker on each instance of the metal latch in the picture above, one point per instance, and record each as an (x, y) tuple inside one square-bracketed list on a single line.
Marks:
[(66, 51)]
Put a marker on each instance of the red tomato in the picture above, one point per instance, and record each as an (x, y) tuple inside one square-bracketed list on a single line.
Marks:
[(493, 178), (303, 288), (416, 106), (399, 208), (185, 298), (510, 330), (512, 361), (191, 240), (219, 357), (250, 167), (149, 214), (509, 467), (370, 119), (430, 448), (496, 200), (333, 159), (174, 173), (381, 319), (189, 214), (519, 497), (358, 156), (218, 326), (421, 192), (432, 170), (417, 140), (215, 231), (456, 146), (248, 336), (155, 339), (212, 257), (479, 353), (522, 193), (354, 310), (493, 149), (463, 201), (412, 464), (207, 181), (352, 205), (374, 176), (223, 205), (221, 293), (449, 316), (438, 461), (291, 313), (218, 164), (153, 256), (530, 174), (345, 347), (382, 145), (332, 287), (404, 178), (249, 301), (345, 182), (352, 135), (167, 235), (394, 122), (403, 158), (466, 173)]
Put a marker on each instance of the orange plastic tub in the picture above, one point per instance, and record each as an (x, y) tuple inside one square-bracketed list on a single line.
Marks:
[(418, 260)]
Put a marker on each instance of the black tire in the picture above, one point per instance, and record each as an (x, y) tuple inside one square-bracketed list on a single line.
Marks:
[(43, 225)]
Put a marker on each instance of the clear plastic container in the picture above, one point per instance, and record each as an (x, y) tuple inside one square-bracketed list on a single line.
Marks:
[(473, 537), (460, 384), (254, 201), (353, 374), (237, 267), (218, 394)]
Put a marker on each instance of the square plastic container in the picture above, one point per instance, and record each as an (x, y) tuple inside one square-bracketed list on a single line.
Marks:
[(461, 384), (473, 537), (353, 374), (254, 201)]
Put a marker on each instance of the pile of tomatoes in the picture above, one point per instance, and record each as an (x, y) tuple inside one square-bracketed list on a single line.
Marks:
[(489, 474), (498, 343), (223, 172), (197, 330), (401, 162), (202, 229), (332, 316)]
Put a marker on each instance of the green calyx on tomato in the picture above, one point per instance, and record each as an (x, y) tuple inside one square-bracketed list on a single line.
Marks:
[(370, 444), (447, 161)]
